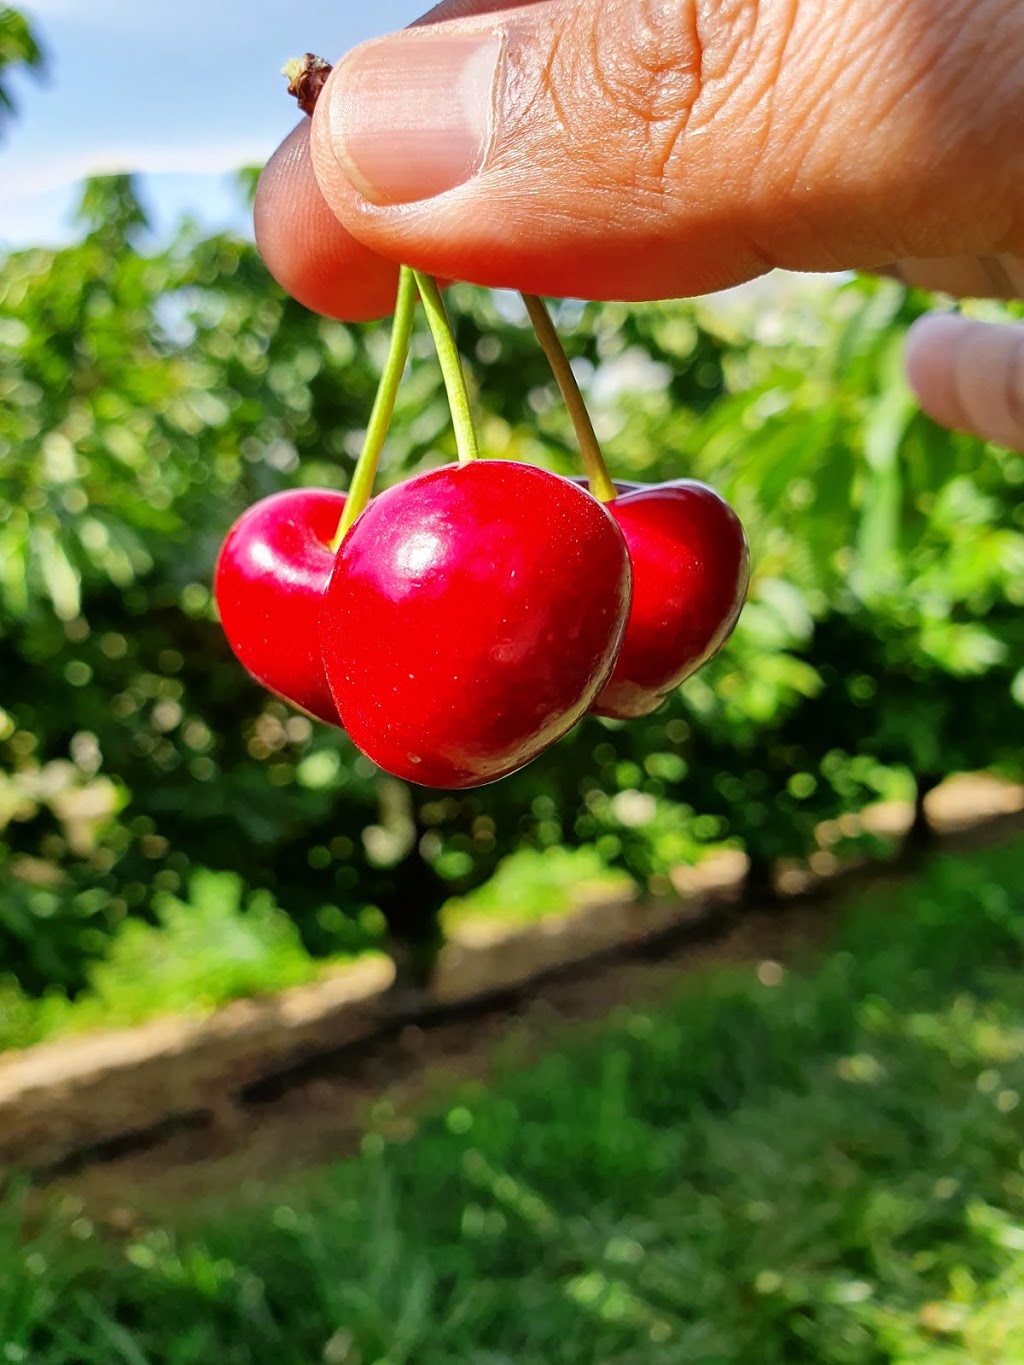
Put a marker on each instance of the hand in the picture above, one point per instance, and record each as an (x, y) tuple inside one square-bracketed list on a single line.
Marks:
[(643, 149)]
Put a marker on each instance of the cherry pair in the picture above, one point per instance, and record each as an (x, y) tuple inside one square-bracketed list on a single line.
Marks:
[(473, 614)]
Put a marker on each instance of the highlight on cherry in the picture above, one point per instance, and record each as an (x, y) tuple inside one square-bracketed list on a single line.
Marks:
[(458, 624)]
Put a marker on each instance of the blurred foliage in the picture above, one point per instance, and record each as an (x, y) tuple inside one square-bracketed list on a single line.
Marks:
[(775, 1167), (200, 953), (148, 393), (18, 48), (531, 884)]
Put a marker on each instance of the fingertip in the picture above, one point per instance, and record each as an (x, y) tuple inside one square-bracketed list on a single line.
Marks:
[(930, 360), (306, 249), (969, 375)]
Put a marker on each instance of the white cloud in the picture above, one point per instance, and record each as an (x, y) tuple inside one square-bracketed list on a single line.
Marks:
[(36, 178)]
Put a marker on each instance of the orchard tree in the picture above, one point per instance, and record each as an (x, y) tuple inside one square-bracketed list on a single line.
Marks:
[(150, 392), (18, 48)]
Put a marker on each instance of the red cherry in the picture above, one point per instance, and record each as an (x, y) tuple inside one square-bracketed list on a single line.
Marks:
[(691, 568), (270, 579), (473, 615)]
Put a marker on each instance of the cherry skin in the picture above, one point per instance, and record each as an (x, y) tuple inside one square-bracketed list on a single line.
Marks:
[(691, 569), (270, 579), (473, 615)]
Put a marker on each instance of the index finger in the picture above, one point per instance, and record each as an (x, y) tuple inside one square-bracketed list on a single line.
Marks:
[(307, 250)]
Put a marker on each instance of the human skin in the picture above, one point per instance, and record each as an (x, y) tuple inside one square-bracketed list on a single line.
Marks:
[(641, 149)]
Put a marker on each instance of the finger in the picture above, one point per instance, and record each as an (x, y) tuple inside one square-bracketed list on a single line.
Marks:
[(307, 250), (969, 375), (965, 277), (645, 148)]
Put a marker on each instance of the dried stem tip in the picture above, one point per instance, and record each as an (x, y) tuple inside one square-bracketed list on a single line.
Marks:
[(307, 76)]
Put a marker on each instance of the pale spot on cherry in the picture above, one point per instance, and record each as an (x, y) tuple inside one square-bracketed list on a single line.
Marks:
[(419, 553), (263, 557)]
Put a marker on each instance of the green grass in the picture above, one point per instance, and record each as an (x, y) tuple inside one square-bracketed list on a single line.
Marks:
[(827, 1169), (218, 946), (201, 954), (533, 884)]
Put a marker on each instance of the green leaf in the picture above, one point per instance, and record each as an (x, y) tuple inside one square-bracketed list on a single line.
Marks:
[(18, 48), (877, 542)]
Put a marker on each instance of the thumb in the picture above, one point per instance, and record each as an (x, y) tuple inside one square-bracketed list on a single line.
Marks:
[(644, 148), (969, 375)]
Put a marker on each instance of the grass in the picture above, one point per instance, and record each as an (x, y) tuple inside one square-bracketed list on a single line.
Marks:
[(533, 884), (775, 1170), (219, 946), (200, 955)]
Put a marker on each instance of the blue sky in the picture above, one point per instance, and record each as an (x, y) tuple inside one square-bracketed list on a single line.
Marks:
[(134, 85)]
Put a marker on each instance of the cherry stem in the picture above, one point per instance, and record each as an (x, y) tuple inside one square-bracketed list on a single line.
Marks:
[(593, 461), (361, 488), (451, 367)]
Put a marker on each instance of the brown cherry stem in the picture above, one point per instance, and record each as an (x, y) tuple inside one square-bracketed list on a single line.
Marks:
[(307, 76)]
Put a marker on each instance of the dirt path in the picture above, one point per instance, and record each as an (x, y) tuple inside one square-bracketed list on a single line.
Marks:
[(319, 1111)]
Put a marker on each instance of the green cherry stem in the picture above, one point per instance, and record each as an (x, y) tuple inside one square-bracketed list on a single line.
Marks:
[(383, 406), (593, 461), (451, 367)]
